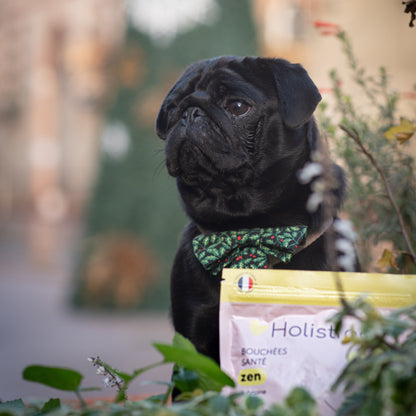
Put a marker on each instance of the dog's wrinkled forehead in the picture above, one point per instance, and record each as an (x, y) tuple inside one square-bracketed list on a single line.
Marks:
[(235, 73), (214, 77), (208, 67)]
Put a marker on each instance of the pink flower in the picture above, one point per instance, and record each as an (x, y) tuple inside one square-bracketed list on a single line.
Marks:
[(408, 95), (327, 28)]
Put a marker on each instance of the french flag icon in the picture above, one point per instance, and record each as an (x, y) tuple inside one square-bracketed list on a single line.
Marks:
[(245, 283)]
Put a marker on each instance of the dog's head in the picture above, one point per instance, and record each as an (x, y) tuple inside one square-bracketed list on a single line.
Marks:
[(234, 122)]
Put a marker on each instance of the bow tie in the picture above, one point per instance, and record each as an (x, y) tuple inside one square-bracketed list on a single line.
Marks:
[(247, 249)]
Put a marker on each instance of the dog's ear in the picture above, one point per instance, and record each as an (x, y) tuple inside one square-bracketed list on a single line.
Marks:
[(182, 86), (161, 121), (296, 92), (167, 105)]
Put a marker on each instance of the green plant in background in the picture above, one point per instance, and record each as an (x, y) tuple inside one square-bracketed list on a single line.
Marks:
[(371, 140)]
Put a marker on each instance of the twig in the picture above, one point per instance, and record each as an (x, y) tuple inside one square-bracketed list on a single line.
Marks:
[(81, 400), (352, 133), (329, 211)]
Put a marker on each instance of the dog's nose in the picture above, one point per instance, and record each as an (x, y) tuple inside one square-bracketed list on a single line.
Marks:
[(191, 114)]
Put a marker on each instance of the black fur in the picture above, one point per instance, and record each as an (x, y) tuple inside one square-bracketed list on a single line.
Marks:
[(238, 171)]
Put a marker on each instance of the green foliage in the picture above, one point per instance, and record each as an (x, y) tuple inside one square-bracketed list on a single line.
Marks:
[(194, 372), (206, 404), (298, 402), (58, 378), (380, 378), (199, 379), (11, 407), (204, 372), (371, 140), (371, 115)]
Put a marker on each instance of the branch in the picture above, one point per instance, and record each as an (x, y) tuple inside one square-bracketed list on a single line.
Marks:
[(355, 136)]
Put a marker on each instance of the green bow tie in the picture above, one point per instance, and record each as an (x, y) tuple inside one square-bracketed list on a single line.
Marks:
[(247, 249)]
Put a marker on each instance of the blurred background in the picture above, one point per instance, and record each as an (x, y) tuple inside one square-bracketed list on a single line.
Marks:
[(89, 219)]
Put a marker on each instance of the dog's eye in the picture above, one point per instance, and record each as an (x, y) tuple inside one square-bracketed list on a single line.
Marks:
[(238, 107)]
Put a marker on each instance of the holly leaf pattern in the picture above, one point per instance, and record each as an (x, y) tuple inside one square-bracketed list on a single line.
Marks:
[(247, 248)]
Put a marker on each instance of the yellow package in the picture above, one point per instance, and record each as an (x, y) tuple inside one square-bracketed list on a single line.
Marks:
[(275, 334)]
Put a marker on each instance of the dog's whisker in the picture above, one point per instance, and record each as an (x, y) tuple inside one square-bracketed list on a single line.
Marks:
[(158, 169)]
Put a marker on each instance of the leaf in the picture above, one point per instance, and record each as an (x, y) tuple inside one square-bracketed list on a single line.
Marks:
[(12, 404), (183, 353), (352, 403), (253, 403), (56, 377), (387, 259), (215, 252), (185, 380), (221, 251), (255, 236), (403, 132), (180, 341), (219, 405), (209, 259), (50, 405), (299, 397)]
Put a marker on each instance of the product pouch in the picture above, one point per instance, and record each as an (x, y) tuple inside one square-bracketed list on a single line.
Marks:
[(275, 334)]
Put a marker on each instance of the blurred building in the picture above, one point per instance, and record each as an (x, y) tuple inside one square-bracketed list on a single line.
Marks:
[(55, 80)]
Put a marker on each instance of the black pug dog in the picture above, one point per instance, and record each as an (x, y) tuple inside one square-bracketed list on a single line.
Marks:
[(237, 131)]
